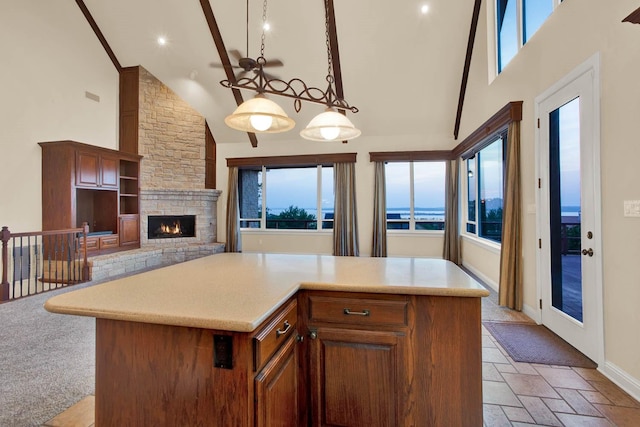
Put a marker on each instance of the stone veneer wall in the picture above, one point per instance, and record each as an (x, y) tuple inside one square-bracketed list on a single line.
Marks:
[(171, 138)]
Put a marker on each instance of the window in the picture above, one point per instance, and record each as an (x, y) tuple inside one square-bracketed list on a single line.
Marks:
[(415, 195), (485, 182), (286, 197), (516, 22)]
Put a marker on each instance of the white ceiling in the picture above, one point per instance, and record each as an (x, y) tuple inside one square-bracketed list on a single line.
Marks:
[(401, 68)]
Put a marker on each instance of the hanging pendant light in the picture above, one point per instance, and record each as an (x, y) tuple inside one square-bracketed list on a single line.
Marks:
[(330, 126), (259, 115)]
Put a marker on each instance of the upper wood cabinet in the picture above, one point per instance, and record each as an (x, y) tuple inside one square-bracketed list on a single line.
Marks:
[(96, 170)]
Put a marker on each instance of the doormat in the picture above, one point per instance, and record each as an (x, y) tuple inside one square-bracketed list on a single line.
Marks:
[(531, 343)]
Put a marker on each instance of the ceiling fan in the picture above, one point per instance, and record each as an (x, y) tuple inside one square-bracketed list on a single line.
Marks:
[(245, 63)]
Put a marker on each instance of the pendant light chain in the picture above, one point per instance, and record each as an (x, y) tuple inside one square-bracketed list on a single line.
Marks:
[(264, 21), (326, 33)]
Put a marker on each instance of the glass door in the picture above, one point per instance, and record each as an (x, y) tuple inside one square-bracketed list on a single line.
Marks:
[(565, 209), (569, 258)]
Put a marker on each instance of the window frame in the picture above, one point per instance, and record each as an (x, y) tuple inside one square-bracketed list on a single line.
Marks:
[(411, 157), (476, 224), (412, 217), (263, 219), (478, 139), (520, 30), (261, 164)]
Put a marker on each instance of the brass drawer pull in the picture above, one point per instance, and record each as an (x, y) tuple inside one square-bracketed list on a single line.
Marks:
[(280, 332), (348, 312)]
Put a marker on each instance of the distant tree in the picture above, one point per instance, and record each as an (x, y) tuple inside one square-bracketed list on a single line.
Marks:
[(495, 215), (291, 218)]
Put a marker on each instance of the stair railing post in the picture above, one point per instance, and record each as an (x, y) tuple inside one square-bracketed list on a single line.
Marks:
[(85, 263), (5, 234)]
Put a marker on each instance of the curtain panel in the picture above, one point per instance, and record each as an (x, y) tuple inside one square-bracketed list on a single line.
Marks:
[(379, 247), (451, 250), (234, 242), (345, 222), (511, 264)]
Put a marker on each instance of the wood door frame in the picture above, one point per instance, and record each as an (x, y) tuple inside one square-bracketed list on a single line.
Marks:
[(591, 65)]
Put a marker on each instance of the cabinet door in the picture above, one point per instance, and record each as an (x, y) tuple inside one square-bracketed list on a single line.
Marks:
[(277, 389), (109, 171), (129, 230), (87, 166), (356, 377), (94, 170)]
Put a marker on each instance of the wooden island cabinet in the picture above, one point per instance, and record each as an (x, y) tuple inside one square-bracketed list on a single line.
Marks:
[(287, 340)]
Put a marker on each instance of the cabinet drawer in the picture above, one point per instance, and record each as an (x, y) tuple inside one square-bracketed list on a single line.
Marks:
[(358, 311), (92, 243), (274, 334), (110, 241)]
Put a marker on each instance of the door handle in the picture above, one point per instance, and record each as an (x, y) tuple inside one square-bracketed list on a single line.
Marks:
[(587, 252)]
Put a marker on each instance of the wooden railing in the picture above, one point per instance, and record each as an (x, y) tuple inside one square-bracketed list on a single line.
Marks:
[(41, 261)]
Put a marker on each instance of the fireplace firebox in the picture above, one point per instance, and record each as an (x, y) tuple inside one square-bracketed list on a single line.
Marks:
[(171, 226)]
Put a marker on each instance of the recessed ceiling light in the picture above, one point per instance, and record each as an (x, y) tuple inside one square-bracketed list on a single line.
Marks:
[(424, 9), (266, 26), (162, 40)]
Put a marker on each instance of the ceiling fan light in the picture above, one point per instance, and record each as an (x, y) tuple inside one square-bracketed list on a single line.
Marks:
[(253, 116), (330, 126)]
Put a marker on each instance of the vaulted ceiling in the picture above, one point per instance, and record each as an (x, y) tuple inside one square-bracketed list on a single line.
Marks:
[(401, 68)]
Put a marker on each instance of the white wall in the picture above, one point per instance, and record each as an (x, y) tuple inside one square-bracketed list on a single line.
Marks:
[(427, 245), (571, 35), (50, 57)]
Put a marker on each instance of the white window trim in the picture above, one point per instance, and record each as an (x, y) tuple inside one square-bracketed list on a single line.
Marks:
[(263, 220), (492, 34), (412, 221), (475, 237)]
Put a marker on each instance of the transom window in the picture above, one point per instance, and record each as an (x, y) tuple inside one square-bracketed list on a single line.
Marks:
[(291, 198), (485, 183), (415, 195), (516, 22)]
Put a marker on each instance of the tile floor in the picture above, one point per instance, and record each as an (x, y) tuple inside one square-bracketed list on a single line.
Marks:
[(526, 394), (514, 394)]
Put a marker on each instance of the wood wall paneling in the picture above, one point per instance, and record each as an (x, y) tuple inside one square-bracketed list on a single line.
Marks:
[(209, 158), (129, 99)]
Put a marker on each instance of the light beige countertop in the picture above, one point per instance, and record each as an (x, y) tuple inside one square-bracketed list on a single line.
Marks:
[(237, 292)]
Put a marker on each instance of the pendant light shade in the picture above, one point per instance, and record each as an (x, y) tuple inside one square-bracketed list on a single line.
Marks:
[(259, 115), (330, 126)]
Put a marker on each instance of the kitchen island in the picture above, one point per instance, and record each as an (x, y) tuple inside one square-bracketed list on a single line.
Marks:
[(266, 339)]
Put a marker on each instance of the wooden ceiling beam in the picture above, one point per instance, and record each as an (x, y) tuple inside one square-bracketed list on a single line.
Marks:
[(224, 58), (335, 53), (467, 66), (634, 17), (101, 38)]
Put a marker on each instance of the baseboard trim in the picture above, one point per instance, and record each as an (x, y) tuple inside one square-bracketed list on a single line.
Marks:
[(532, 313), (484, 279), (621, 378)]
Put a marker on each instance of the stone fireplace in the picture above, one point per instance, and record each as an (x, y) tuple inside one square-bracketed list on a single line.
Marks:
[(192, 212), (171, 140)]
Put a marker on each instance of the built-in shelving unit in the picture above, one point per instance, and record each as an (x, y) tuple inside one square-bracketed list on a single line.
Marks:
[(84, 183)]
